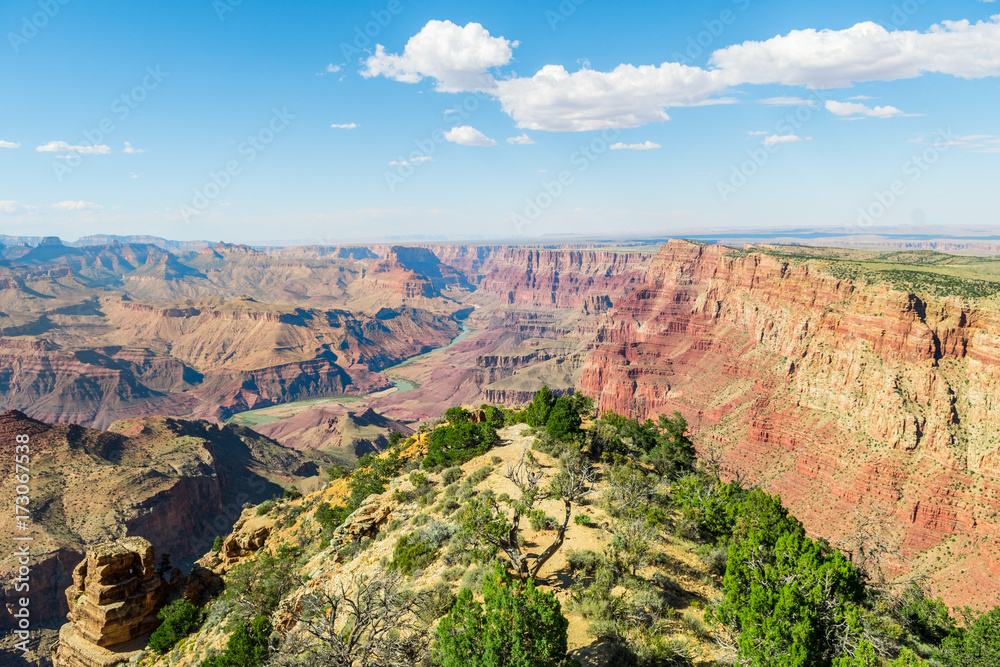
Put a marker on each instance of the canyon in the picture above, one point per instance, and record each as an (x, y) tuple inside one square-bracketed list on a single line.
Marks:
[(852, 383)]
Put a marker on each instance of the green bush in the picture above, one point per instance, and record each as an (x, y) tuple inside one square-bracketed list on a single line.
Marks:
[(515, 625), (291, 493), (457, 443), (479, 476), (180, 618), (584, 520), (451, 475), (585, 561), (541, 521), (265, 507), (412, 554), (217, 544), (248, 646)]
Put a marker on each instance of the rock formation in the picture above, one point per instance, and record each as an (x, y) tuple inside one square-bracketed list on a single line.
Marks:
[(844, 398), (114, 599)]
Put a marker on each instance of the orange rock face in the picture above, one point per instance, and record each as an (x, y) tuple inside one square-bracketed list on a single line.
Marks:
[(841, 397)]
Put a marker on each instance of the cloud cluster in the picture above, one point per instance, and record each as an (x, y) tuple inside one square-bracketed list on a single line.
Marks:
[(523, 140), (466, 135), (856, 109), (76, 206), (458, 58), (62, 146), (775, 139), (9, 144), (344, 126), (864, 52), (553, 99), (628, 96), (648, 145)]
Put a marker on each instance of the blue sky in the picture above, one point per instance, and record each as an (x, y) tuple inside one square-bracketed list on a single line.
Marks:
[(215, 119)]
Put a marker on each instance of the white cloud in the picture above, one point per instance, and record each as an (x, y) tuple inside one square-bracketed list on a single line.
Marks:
[(757, 133), (398, 163), (344, 126), (861, 97), (133, 175), (787, 102), (457, 58), (467, 135), (422, 158), (864, 52), (76, 206), (523, 140), (9, 144), (858, 109), (129, 148), (649, 145), (775, 139), (557, 101), (332, 69), (9, 206), (60, 146)]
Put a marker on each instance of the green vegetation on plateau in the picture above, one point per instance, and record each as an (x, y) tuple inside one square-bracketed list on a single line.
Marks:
[(778, 597)]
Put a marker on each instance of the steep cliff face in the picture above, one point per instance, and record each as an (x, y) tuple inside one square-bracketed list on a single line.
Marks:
[(840, 396), (533, 277), (143, 477)]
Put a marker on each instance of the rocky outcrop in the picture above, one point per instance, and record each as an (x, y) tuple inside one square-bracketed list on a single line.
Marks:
[(537, 277), (838, 395), (147, 477), (114, 599)]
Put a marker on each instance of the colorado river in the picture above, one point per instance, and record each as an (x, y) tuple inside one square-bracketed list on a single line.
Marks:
[(285, 410)]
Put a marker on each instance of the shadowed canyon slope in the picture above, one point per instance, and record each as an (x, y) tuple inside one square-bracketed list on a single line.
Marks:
[(177, 483), (845, 396)]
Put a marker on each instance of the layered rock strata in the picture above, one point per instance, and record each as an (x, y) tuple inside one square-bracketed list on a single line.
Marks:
[(114, 599)]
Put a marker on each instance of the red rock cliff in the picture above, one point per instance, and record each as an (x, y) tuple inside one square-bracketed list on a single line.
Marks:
[(839, 396)]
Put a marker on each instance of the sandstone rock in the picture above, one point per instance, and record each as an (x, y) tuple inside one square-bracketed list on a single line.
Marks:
[(114, 599)]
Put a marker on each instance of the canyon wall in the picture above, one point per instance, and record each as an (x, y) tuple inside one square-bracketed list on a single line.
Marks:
[(844, 398)]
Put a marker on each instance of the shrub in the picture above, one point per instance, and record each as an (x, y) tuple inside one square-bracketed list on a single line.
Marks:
[(265, 507), (541, 521), (412, 554), (180, 619), (564, 420), (584, 561), (583, 520), (248, 646), (480, 475), (337, 471), (291, 493), (437, 601), (451, 475), (516, 625), (457, 443), (217, 544)]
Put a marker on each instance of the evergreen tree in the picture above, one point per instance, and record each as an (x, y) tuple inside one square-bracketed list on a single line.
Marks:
[(564, 419), (537, 414), (785, 594), (516, 626)]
